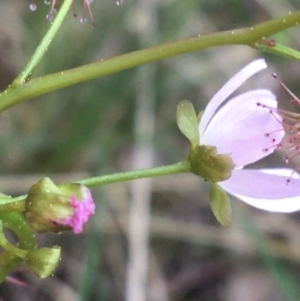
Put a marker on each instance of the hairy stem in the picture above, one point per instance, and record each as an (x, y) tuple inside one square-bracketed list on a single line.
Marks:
[(176, 168), (246, 36)]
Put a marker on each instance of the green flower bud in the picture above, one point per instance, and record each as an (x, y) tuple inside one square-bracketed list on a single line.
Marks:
[(44, 261), (54, 208)]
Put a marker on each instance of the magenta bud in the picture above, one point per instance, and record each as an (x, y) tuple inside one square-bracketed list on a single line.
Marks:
[(55, 208)]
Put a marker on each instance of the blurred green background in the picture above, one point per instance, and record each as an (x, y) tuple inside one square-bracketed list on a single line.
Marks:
[(125, 121)]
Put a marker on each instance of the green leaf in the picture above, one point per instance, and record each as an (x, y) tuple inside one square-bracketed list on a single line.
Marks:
[(187, 121), (220, 205), (208, 164)]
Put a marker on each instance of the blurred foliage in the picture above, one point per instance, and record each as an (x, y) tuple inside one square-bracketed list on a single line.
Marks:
[(89, 128)]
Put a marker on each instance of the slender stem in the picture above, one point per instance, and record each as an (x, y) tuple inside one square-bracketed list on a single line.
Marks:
[(180, 167), (246, 36), (176, 168), (281, 50), (44, 44)]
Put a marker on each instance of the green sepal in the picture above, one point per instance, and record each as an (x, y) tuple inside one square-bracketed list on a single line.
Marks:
[(220, 205), (199, 116), (187, 122), (208, 164), (44, 261), (45, 204)]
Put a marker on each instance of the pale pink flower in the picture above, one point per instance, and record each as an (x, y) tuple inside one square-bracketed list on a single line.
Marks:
[(249, 133)]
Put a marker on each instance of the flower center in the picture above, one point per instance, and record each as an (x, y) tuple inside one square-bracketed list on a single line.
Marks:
[(290, 124)]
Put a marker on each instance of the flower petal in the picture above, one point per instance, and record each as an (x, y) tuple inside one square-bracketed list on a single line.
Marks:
[(236, 81), (239, 128), (265, 189), (83, 210)]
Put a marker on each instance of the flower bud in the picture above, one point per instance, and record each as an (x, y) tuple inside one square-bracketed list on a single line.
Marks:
[(54, 208), (44, 261)]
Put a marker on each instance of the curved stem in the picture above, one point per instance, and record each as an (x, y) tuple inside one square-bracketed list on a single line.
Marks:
[(44, 44), (6, 245), (247, 36), (26, 241)]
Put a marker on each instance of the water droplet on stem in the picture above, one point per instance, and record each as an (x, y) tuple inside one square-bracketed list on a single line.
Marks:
[(32, 6)]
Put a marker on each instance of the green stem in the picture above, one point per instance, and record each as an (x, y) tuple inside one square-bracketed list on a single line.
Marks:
[(176, 168), (180, 167), (9, 204), (26, 241), (247, 36), (281, 50), (44, 44), (14, 205), (6, 245)]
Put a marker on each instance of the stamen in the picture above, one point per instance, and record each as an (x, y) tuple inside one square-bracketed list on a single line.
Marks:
[(53, 8), (288, 181), (86, 4), (295, 100), (291, 126), (74, 11)]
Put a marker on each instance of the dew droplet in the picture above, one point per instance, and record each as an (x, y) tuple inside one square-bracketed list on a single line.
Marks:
[(49, 17), (32, 6), (47, 2), (119, 2), (83, 20), (286, 160)]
